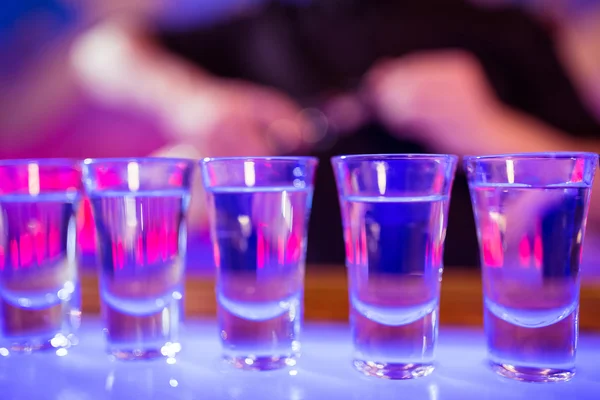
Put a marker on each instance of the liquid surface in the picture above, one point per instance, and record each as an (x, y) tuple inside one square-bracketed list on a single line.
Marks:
[(260, 244), (531, 240), (39, 288), (394, 251), (141, 246)]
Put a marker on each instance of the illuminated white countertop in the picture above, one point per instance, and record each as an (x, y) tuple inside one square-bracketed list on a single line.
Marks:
[(323, 372)]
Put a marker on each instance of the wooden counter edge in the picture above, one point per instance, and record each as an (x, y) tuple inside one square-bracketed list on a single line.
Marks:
[(326, 298)]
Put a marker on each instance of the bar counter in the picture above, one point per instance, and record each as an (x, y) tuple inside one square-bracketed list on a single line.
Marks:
[(326, 296)]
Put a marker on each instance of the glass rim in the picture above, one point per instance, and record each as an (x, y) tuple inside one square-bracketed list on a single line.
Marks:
[(392, 156), (556, 155), (138, 160), (45, 162), (282, 159)]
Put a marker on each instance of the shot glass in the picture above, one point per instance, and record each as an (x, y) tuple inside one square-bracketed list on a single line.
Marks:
[(394, 213), (139, 209), (531, 211), (39, 285), (259, 210)]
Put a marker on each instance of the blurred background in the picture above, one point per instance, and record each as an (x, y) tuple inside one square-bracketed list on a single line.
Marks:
[(197, 78)]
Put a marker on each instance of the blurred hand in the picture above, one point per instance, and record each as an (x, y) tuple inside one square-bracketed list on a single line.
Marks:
[(440, 99), (234, 118)]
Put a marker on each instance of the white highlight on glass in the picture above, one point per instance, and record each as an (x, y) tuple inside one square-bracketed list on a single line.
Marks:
[(59, 341), (249, 174), (381, 177), (133, 183), (286, 209), (24, 302), (297, 172), (300, 184), (133, 176), (33, 171), (166, 321), (170, 350), (130, 212), (66, 291), (510, 171), (245, 225)]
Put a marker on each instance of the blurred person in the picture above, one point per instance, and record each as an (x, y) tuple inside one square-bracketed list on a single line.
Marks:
[(464, 69), (204, 78), (86, 80)]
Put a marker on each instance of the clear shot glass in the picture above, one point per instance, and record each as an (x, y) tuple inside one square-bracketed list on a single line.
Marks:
[(259, 210), (39, 285), (139, 209), (531, 211), (394, 212)]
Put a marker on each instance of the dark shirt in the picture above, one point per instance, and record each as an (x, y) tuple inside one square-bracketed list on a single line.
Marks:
[(324, 47)]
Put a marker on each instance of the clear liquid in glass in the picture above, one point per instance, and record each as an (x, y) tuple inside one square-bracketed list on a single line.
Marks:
[(531, 241), (260, 241), (394, 251), (39, 285), (141, 247)]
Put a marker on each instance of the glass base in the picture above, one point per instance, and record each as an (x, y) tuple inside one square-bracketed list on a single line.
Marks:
[(265, 363), (136, 354), (529, 374), (168, 350), (30, 345), (128, 352), (393, 370)]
